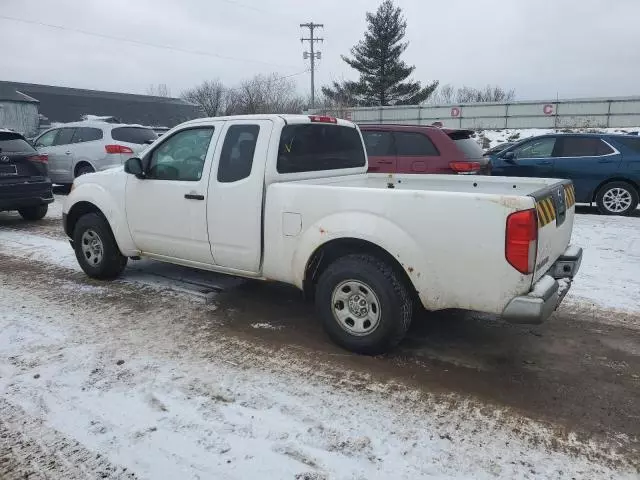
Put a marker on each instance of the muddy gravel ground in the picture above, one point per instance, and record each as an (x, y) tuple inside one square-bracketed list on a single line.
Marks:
[(579, 373)]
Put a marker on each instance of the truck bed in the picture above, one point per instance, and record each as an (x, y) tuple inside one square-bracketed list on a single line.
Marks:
[(442, 183), (447, 231)]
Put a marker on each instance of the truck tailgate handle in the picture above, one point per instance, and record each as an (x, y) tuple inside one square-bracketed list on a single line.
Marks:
[(193, 196)]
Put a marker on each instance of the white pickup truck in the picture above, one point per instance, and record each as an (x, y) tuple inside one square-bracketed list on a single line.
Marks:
[(287, 198)]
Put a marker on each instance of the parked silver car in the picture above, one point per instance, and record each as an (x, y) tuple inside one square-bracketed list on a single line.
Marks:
[(90, 146)]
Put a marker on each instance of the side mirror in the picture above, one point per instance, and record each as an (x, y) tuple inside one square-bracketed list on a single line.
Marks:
[(510, 157), (133, 166)]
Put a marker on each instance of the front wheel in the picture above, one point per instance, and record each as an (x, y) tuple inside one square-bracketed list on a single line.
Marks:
[(617, 198), (34, 213), (96, 248), (364, 305)]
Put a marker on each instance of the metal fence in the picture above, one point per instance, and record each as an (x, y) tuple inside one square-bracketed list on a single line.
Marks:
[(579, 113)]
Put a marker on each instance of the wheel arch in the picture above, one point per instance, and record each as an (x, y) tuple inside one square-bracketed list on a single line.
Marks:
[(80, 164), (78, 210), (91, 198), (596, 191), (331, 250)]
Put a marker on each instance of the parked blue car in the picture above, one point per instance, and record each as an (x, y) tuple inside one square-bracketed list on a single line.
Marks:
[(605, 169)]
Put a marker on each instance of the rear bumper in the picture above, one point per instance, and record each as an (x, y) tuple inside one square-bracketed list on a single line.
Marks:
[(19, 195), (547, 293)]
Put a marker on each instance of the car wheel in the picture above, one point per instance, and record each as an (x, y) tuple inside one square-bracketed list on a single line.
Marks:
[(96, 248), (364, 306), (83, 170), (617, 198), (34, 213)]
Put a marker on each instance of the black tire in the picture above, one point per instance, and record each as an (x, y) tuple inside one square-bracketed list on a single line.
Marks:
[(111, 262), (395, 303), (620, 190), (34, 213), (83, 170)]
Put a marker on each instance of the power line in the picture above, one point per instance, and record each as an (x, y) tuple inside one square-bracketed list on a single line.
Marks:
[(312, 55), (140, 42)]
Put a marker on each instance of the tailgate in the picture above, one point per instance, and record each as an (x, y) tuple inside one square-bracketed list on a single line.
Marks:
[(555, 206)]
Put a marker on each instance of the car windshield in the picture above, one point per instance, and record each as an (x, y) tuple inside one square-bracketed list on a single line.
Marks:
[(14, 142)]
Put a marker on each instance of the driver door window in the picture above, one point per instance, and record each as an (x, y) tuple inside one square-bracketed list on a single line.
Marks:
[(181, 157), (542, 148)]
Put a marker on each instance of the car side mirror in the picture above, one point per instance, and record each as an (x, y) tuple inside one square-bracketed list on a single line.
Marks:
[(133, 166), (509, 157)]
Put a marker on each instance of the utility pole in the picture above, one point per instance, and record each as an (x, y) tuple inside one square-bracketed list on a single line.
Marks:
[(313, 55)]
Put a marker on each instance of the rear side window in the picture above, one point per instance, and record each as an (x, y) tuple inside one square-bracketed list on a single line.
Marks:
[(64, 137), (469, 147), (86, 134), (410, 144), (317, 147), (236, 158), (138, 135), (583, 147), (378, 144), (14, 142), (630, 142)]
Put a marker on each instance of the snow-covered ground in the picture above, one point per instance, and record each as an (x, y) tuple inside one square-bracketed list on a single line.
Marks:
[(610, 273), (166, 399), (496, 137)]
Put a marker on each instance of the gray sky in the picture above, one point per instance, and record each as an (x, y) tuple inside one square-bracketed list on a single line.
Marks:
[(541, 48)]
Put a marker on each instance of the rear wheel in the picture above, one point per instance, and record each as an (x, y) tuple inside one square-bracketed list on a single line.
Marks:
[(617, 198), (83, 170), (96, 248), (365, 307), (34, 213)]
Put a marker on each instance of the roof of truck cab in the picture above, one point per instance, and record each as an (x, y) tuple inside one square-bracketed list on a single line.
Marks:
[(288, 118)]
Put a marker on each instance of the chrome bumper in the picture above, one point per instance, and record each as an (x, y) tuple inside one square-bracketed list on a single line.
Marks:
[(547, 293)]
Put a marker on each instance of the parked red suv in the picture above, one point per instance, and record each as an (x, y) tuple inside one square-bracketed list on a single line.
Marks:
[(423, 149)]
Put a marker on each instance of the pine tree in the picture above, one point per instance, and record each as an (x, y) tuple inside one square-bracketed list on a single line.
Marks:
[(377, 59)]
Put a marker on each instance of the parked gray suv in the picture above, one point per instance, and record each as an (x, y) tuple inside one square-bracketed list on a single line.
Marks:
[(90, 146)]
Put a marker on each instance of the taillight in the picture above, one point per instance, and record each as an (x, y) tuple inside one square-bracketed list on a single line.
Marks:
[(322, 119), (40, 158), (521, 246), (117, 149), (465, 167)]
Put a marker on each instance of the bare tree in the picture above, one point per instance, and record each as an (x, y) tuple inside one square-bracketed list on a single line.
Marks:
[(450, 94), (211, 96), (159, 90), (487, 94), (265, 94)]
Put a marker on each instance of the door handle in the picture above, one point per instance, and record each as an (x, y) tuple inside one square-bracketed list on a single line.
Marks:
[(193, 196), (67, 153), (544, 162), (605, 161), (385, 162)]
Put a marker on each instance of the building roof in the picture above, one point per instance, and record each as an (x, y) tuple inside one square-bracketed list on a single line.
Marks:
[(10, 94), (64, 104)]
